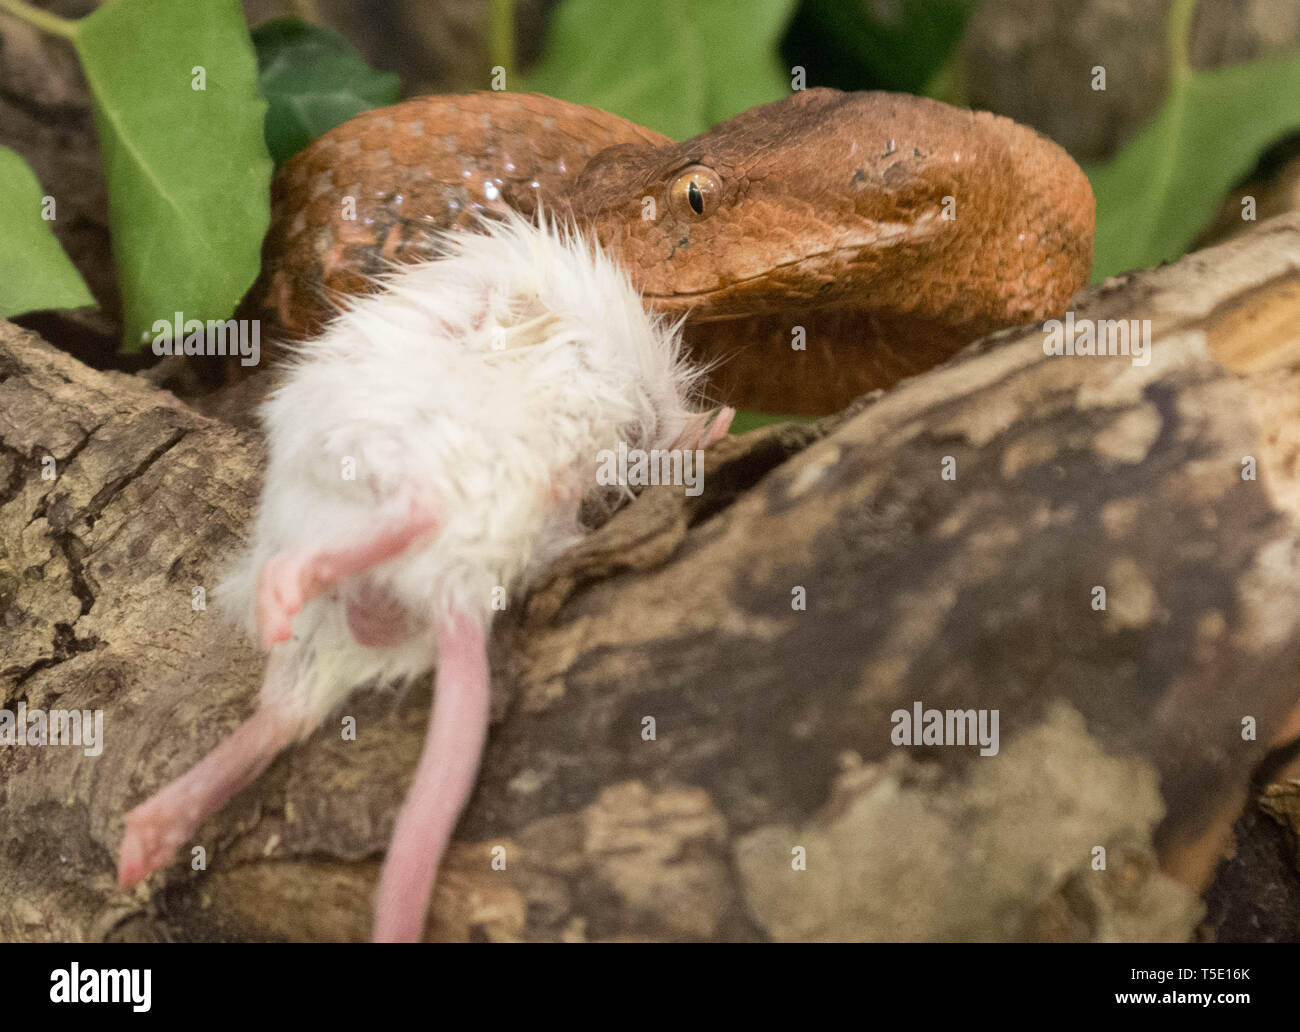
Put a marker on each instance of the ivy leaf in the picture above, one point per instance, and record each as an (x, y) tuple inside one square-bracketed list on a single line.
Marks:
[(1167, 183), (675, 66), (313, 80), (35, 273), (188, 172)]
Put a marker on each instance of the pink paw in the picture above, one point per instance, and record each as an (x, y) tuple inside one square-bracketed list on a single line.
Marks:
[(280, 598), (151, 840)]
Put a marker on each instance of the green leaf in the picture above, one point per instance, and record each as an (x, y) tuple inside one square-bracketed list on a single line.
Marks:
[(188, 172), (313, 80), (674, 65), (1166, 184), (858, 45), (35, 273)]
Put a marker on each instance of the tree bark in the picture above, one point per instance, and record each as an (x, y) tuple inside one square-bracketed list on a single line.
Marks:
[(694, 710)]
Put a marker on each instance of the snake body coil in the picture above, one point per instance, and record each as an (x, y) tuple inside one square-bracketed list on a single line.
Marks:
[(888, 229)]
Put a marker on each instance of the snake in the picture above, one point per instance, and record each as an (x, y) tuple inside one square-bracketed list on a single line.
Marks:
[(818, 247)]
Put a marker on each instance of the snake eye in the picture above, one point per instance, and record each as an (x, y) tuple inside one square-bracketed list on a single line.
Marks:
[(695, 192)]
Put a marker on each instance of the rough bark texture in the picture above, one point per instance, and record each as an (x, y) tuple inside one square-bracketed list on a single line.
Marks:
[(1120, 728)]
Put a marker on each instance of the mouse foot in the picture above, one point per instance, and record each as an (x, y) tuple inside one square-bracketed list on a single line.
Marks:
[(165, 821), (152, 837), (699, 432)]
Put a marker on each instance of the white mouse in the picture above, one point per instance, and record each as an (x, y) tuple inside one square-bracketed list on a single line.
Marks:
[(432, 446)]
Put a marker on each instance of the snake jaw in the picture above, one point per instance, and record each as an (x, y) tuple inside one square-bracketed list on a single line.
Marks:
[(781, 284)]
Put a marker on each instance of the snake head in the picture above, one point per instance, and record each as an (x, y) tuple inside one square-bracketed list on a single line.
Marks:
[(903, 204)]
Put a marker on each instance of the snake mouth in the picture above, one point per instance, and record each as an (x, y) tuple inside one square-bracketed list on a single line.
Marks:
[(781, 284)]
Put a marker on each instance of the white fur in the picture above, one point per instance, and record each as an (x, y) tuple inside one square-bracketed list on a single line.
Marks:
[(502, 440)]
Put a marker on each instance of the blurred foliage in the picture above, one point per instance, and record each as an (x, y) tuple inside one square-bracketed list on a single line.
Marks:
[(174, 94), (188, 174), (1166, 184), (313, 79), (749, 420), (901, 45), (1162, 189), (682, 67), (35, 274), (673, 65)]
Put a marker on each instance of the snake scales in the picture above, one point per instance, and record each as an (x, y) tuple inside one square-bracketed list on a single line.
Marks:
[(889, 229)]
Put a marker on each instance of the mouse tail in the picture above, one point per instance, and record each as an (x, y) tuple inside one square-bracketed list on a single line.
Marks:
[(444, 780)]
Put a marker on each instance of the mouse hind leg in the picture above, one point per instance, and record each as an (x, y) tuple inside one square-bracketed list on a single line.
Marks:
[(443, 783), (159, 826), (290, 580)]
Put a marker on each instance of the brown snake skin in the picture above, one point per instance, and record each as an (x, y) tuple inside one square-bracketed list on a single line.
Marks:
[(825, 210)]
